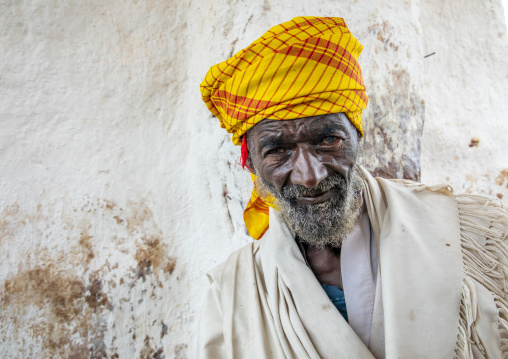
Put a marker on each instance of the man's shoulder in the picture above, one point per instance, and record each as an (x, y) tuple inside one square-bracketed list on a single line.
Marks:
[(442, 188), (482, 220), (480, 201), (216, 274), (476, 213)]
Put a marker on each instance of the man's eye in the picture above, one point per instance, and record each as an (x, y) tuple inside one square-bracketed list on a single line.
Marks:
[(276, 151), (329, 140)]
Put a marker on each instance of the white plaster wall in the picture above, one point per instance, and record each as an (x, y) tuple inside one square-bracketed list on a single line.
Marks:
[(118, 189), (466, 96), (505, 5)]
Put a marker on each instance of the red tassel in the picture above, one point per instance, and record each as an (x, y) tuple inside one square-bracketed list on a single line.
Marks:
[(244, 153)]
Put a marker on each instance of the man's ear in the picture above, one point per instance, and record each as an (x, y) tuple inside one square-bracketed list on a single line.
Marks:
[(246, 153), (249, 165)]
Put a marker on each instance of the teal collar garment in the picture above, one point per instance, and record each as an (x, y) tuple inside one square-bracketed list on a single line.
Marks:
[(336, 295)]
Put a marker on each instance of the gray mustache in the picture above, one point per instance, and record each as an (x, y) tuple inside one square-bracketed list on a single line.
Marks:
[(293, 191)]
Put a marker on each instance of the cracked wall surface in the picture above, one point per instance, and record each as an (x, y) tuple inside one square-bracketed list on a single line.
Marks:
[(118, 190)]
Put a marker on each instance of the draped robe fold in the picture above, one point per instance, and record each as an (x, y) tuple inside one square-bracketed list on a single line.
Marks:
[(432, 299)]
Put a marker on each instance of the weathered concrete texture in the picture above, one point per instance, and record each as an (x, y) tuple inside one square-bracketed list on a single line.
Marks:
[(118, 190), (466, 87), (394, 118)]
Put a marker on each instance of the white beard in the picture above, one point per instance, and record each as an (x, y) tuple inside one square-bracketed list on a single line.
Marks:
[(324, 224)]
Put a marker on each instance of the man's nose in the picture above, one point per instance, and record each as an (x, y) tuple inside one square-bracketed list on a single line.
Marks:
[(308, 170)]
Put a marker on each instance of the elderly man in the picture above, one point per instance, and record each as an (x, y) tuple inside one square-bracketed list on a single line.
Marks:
[(347, 265)]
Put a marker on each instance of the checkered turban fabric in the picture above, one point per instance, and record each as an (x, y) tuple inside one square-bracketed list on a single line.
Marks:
[(304, 67)]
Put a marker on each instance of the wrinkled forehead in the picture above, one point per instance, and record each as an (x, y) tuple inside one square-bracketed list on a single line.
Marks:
[(304, 128)]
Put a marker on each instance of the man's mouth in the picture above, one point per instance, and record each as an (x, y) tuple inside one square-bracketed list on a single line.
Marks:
[(315, 198)]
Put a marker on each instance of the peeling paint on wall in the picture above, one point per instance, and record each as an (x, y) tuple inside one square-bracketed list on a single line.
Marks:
[(66, 302)]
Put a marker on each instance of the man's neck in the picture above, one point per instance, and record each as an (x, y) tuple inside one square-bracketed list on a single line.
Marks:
[(325, 262)]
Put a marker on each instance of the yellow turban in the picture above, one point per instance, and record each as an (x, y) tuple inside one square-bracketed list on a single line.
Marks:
[(304, 67)]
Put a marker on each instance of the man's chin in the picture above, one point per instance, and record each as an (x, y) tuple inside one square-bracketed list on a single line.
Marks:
[(327, 223), (319, 217), (326, 209), (324, 223), (319, 212)]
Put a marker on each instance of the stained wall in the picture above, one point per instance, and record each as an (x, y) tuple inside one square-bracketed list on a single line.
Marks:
[(118, 190)]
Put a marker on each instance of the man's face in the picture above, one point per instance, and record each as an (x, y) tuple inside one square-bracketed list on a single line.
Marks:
[(308, 164)]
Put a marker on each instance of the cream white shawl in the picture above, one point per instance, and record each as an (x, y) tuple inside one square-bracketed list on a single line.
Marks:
[(442, 265)]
